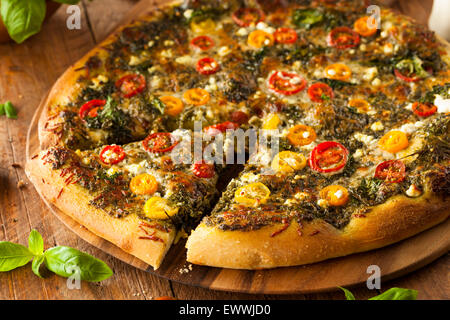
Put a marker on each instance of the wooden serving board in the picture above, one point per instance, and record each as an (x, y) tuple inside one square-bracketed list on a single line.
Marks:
[(394, 260)]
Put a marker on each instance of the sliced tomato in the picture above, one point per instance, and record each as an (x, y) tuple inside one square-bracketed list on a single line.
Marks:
[(319, 92), (207, 66), (408, 78), (131, 84), (342, 38), (424, 109), (221, 128), (244, 17), (202, 42), (328, 156), (285, 35), (203, 170), (239, 117), (112, 154), (391, 171), (91, 108), (287, 83), (159, 142)]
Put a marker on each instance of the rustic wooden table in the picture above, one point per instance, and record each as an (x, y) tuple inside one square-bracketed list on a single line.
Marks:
[(26, 73)]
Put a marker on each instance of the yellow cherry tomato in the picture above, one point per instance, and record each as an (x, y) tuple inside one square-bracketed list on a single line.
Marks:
[(252, 194), (203, 26), (360, 104), (288, 162), (335, 195), (394, 141), (301, 135), (272, 122), (366, 26), (144, 184), (196, 96), (259, 39), (338, 71), (159, 208), (174, 105)]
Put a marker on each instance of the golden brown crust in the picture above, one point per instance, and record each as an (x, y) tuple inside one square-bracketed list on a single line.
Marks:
[(393, 221), (74, 201)]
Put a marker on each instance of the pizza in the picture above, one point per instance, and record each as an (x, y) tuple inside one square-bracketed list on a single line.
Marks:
[(136, 138)]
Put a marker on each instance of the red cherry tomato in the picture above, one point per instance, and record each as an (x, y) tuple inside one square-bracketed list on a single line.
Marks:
[(287, 83), (328, 156), (131, 84), (221, 128), (112, 154), (319, 92), (203, 170), (391, 171), (343, 37), (202, 42), (91, 108), (207, 66), (424, 109), (239, 117), (285, 35), (159, 142), (244, 17), (408, 78)]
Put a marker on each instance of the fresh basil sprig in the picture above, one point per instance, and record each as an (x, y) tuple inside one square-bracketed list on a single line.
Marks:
[(64, 261), (391, 294)]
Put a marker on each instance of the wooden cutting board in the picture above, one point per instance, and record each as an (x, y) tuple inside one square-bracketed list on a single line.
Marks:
[(394, 260)]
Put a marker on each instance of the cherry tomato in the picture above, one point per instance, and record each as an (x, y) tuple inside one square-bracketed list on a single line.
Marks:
[(244, 17), (319, 92), (159, 142), (202, 42), (203, 170), (343, 37), (131, 84), (285, 35), (196, 96), (287, 83), (366, 27), (424, 109), (207, 66), (112, 154), (91, 108), (239, 117), (391, 171), (328, 157), (221, 128)]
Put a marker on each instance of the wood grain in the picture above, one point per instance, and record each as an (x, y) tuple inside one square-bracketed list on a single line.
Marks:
[(27, 71)]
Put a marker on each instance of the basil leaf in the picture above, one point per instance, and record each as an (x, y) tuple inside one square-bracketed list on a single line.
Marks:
[(2, 109), (157, 104), (67, 1), (10, 111), (64, 260), (22, 18), (306, 18), (397, 294), (13, 255), (35, 243), (348, 294), (35, 266)]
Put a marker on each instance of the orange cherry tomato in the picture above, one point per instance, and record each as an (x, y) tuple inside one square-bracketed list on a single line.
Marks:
[(366, 26), (360, 104), (335, 195), (301, 135), (394, 141), (196, 96), (338, 71), (259, 39), (174, 105), (144, 184)]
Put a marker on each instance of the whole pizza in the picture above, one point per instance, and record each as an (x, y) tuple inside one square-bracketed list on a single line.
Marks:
[(353, 104)]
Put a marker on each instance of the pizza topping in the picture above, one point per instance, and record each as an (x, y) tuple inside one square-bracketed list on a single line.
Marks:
[(202, 42), (159, 142), (320, 92), (328, 157), (173, 105), (335, 195), (288, 162), (424, 109), (366, 26), (393, 141), (131, 84), (196, 96), (144, 184), (306, 18), (338, 71), (391, 171), (285, 35), (246, 17), (301, 135), (207, 66), (286, 83), (159, 208), (413, 191), (220, 128), (203, 26), (252, 194), (272, 122), (90, 108), (112, 154), (359, 104), (203, 170), (239, 117), (410, 70), (259, 39), (343, 37)]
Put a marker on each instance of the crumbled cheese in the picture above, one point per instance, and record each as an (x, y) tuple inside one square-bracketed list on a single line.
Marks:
[(184, 60), (358, 154), (301, 195), (156, 82), (410, 128), (413, 191), (168, 43), (167, 53), (388, 48), (377, 126), (223, 51), (134, 61), (98, 81), (264, 27), (322, 203), (370, 74), (188, 13), (111, 171), (442, 104), (363, 47), (366, 139), (242, 32), (151, 43), (136, 168), (376, 82)]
